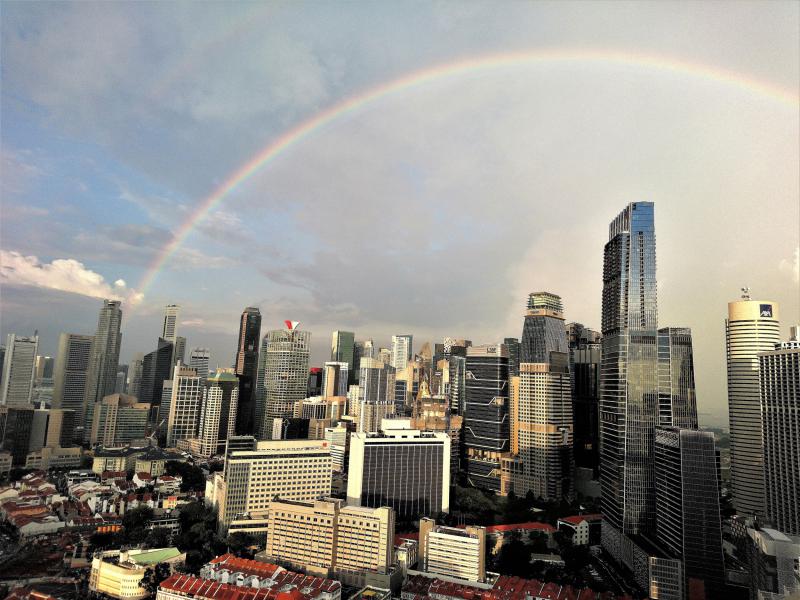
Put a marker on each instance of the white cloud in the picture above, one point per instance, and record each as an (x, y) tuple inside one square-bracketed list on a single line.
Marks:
[(63, 274), (792, 266)]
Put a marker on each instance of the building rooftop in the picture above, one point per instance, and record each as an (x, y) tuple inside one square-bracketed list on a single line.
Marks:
[(578, 519), (153, 557)]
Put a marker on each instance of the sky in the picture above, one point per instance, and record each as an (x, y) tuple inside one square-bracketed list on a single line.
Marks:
[(431, 209)]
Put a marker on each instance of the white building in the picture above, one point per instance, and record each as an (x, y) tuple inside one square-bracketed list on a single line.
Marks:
[(453, 552), (401, 351), (199, 360), (19, 369), (184, 406)]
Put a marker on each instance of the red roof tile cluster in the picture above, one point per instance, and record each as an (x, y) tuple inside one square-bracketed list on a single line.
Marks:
[(244, 565), (206, 589), (529, 526), (578, 519)]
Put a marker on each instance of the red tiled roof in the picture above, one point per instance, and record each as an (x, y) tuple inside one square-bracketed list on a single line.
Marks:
[(208, 589), (578, 519), (529, 526), (243, 565)]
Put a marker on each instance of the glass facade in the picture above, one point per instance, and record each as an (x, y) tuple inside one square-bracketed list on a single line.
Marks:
[(285, 374), (246, 368), (677, 402)]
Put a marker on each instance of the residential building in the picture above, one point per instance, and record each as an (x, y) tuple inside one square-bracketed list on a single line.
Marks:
[(118, 419), (184, 409), (327, 538), (752, 327), (246, 367), (406, 469), (452, 551), (585, 529), (19, 366), (291, 469), (285, 373), (101, 375), (688, 521), (779, 378), (199, 360), (402, 347), (218, 412), (487, 430)]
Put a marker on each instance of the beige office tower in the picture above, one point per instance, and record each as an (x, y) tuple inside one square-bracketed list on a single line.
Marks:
[(544, 429), (118, 419), (60, 428), (326, 538), (375, 394), (752, 326), (218, 413), (69, 373), (184, 406), (285, 374), (452, 551), (297, 470)]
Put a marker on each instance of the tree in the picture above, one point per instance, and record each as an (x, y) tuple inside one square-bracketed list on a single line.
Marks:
[(514, 559), (239, 544), (153, 577), (192, 477), (158, 537), (134, 524)]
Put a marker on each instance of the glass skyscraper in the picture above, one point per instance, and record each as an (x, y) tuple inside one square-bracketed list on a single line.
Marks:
[(543, 331), (246, 367), (629, 375)]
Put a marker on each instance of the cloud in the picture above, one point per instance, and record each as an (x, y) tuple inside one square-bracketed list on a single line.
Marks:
[(63, 274), (18, 171), (791, 266)]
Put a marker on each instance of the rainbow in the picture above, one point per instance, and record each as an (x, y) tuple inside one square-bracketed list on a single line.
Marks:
[(416, 79)]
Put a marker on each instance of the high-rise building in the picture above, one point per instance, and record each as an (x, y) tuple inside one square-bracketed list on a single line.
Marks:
[(101, 376), (335, 377), (406, 469), (16, 424), (452, 551), (513, 355), (542, 332), (298, 470), (69, 375), (156, 368), (135, 376), (343, 350), (385, 355), (199, 359), (487, 430), (780, 423), (60, 428), (184, 409), (314, 387), (179, 352), (688, 521), (402, 347), (677, 402), (44, 368), (121, 384), (285, 373), (752, 326), (629, 377), (584, 357), (118, 419), (325, 537), (218, 412), (169, 331), (19, 367), (376, 394), (246, 367)]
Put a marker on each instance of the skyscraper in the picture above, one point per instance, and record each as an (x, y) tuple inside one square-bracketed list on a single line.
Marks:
[(199, 359), (687, 506), (629, 377), (218, 412), (343, 350), (677, 402), (584, 351), (376, 392), (402, 347), (542, 332), (486, 417), (246, 366), (513, 355), (169, 331), (101, 376), (135, 375), (335, 377), (16, 424), (184, 409), (156, 368), (780, 423), (19, 369), (69, 377), (285, 373), (752, 326), (118, 419)]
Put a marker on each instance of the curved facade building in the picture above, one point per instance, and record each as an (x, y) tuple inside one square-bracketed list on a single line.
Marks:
[(752, 326), (285, 373)]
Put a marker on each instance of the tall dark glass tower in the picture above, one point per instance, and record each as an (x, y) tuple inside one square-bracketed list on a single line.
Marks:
[(487, 432), (246, 367), (584, 358), (541, 333), (629, 376), (513, 355), (677, 402), (156, 368)]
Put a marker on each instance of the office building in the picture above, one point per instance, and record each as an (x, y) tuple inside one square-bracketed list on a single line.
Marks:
[(184, 409), (218, 412), (41, 416), (44, 369), (179, 353), (169, 330), (285, 373), (584, 357), (385, 355), (487, 430), (314, 387), (772, 561), (402, 347), (246, 367), (543, 331), (156, 369), (677, 402), (752, 326), (452, 551), (69, 373), (101, 376), (16, 424), (297, 470), (688, 521), (135, 376), (779, 378), (513, 355), (289, 428), (326, 538), (19, 366), (118, 419), (343, 350), (199, 360), (406, 469), (121, 384), (335, 377), (339, 439), (376, 394), (629, 379)]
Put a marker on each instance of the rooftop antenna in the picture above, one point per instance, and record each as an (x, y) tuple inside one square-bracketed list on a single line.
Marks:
[(745, 293)]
